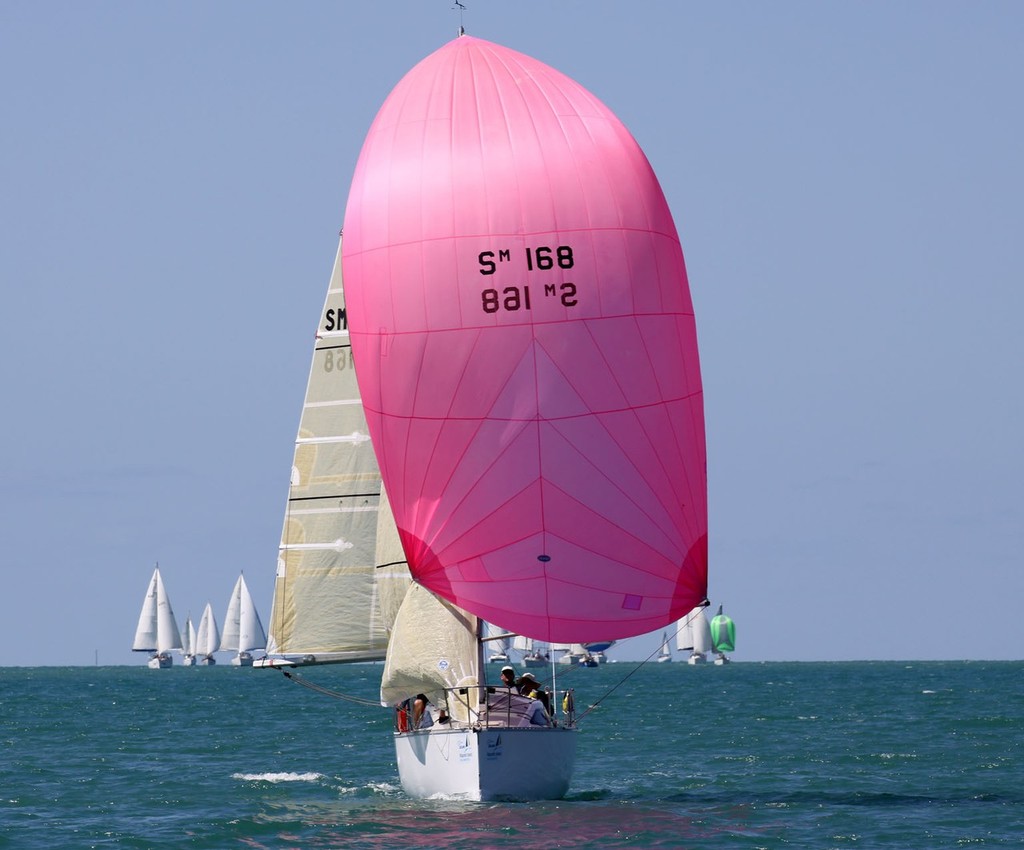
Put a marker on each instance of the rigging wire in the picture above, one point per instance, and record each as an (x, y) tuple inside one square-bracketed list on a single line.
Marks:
[(622, 681), (615, 687), (462, 8), (320, 689)]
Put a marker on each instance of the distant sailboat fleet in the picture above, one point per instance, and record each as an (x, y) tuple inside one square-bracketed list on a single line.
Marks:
[(537, 654), (158, 633), (697, 637), (243, 634)]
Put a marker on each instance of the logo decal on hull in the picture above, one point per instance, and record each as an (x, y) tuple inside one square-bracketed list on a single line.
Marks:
[(465, 749)]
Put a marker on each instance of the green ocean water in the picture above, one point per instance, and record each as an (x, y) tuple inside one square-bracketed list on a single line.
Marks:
[(811, 755)]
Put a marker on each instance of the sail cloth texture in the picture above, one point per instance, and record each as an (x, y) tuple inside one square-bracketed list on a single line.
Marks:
[(526, 347), (694, 632), (433, 647), (208, 635), (188, 637), (326, 591)]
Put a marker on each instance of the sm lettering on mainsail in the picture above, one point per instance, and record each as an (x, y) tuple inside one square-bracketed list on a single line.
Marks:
[(336, 319)]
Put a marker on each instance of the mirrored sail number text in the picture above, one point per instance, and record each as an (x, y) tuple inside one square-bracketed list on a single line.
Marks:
[(541, 258), (337, 358)]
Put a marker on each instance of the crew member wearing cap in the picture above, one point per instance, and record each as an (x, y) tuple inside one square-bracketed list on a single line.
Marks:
[(538, 713), (508, 676), (535, 713), (529, 687)]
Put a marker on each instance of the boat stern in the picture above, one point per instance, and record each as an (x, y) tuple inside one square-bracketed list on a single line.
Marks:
[(485, 764)]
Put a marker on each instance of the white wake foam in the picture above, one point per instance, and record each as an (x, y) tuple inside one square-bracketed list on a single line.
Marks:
[(277, 777)]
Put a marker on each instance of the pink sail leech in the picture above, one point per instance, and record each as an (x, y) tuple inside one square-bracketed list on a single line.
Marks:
[(526, 351)]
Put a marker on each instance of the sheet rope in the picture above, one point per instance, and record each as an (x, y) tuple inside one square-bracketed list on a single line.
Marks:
[(320, 689), (622, 681)]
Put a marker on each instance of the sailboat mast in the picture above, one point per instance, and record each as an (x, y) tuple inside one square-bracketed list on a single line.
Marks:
[(481, 668)]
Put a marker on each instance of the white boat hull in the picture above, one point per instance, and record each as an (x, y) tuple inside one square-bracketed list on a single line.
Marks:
[(486, 763), (576, 660), (160, 662)]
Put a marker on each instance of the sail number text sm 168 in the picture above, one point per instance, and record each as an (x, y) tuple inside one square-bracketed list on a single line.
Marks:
[(513, 298)]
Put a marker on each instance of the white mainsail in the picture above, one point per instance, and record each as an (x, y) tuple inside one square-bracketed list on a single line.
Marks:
[(243, 630), (157, 630), (522, 643), (208, 634), (188, 642), (341, 574), (694, 634)]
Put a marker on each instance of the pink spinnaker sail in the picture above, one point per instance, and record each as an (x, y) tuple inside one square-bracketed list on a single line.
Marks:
[(525, 344)]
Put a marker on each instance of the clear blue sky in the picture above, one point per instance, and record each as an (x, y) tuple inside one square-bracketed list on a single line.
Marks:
[(848, 185)]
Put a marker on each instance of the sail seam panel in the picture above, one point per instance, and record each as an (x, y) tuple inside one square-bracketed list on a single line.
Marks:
[(674, 237), (470, 486), (411, 417), (686, 484), (668, 534), (598, 418)]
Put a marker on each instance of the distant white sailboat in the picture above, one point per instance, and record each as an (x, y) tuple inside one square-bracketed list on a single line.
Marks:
[(188, 643), (157, 632), (535, 654), (666, 653), (694, 636), (597, 650), (243, 631), (207, 637), (577, 655)]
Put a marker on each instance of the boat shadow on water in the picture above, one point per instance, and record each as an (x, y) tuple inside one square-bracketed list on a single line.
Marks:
[(379, 815), (376, 817)]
